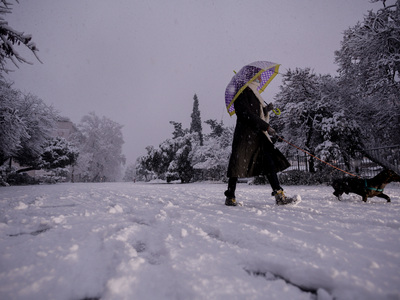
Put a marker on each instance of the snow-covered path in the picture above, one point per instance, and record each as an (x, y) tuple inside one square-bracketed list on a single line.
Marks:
[(174, 241)]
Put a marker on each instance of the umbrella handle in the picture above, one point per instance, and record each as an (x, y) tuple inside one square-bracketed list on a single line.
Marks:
[(278, 112)]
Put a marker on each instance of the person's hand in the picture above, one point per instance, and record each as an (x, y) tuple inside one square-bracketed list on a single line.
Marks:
[(268, 108), (271, 131)]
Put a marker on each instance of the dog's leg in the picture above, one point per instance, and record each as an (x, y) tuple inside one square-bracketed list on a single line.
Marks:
[(338, 195), (384, 197), (364, 198)]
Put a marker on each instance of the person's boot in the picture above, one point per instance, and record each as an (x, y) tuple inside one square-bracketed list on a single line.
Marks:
[(281, 198), (230, 199)]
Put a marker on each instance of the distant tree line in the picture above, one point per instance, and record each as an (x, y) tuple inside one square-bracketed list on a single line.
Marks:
[(330, 117), (27, 137)]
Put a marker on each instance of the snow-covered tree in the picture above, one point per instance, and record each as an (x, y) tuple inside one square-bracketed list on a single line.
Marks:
[(298, 103), (10, 38), (58, 153), (217, 129), (341, 138), (178, 131), (212, 158), (100, 145), (313, 117), (26, 126), (39, 119), (172, 159), (182, 164), (369, 68), (195, 125), (157, 161), (177, 157), (13, 128), (183, 158), (141, 171), (130, 173)]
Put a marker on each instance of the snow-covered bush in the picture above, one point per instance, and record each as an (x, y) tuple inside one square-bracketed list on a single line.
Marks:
[(187, 158), (15, 178)]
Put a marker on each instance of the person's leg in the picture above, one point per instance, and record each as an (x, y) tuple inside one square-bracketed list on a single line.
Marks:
[(271, 173), (277, 190), (274, 182), (232, 186), (230, 192)]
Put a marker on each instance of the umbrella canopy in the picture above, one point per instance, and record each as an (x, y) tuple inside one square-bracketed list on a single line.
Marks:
[(247, 74)]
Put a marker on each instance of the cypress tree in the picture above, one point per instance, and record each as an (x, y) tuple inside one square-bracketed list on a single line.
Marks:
[(195, 125)]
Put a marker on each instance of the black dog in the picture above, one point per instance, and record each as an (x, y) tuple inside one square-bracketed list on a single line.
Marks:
[(366, 188)]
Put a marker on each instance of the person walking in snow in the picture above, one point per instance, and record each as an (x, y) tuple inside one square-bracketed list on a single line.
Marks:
[(253, 153)]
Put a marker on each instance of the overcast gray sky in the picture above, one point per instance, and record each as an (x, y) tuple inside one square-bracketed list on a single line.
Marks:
[(140, 62)]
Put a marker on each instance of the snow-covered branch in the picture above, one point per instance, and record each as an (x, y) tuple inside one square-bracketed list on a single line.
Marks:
[(9, 38)]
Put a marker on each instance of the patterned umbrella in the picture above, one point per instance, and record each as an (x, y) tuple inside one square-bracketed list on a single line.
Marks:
[(247, 74)]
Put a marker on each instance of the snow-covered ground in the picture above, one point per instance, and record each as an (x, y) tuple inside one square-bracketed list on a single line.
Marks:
[(174, 241)]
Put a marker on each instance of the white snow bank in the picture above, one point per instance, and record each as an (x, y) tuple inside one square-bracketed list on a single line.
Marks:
[(161, 241)]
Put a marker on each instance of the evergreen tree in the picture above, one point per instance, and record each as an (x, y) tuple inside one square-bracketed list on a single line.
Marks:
[(178, 131), (195, 125), (216, 128), (58, 153)]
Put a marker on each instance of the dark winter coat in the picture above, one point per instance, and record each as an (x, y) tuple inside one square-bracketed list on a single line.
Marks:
[(252, 152)]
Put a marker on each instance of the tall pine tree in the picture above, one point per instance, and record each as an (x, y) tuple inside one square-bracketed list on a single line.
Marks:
[(195, 125)]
